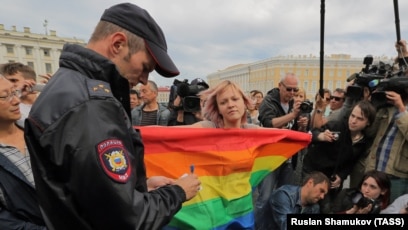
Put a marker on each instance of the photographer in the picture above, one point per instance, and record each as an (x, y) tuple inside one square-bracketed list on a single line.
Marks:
[(23, 78), (336, 101), (391, 129), (303, 119), (370, 197), (336, 147), (185, 105)]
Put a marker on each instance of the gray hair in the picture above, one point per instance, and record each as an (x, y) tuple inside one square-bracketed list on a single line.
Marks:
[(288, 75)]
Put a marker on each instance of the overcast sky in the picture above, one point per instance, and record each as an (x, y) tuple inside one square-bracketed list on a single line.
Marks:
[(204, 36)]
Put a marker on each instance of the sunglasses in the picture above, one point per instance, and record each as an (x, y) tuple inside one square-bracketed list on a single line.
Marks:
[(336, 98), (296, 89)]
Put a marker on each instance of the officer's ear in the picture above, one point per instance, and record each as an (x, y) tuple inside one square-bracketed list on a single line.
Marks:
[(118, 43)]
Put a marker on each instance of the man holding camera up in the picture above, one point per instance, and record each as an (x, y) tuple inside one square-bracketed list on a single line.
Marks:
[(23, 78), (186, 106), (336, 103), (389, 151), (278, 110)]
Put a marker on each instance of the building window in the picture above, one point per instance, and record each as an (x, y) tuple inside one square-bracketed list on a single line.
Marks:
[(46, 52), (29, 50), (48, 68), (270, 85), (10, 49), (282, 73), (338, 84), (306, 86), (330, 85), (306, 73), (31, 64), (314, 86)]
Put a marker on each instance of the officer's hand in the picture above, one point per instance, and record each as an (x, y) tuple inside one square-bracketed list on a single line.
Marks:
[(190, 185), (156, 182)]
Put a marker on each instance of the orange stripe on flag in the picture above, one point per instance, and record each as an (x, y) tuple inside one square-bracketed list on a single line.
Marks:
[(229, 162)]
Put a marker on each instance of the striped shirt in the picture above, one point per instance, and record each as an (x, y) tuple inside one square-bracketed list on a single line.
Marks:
[(385, 145), (149, 118), (18, 159)]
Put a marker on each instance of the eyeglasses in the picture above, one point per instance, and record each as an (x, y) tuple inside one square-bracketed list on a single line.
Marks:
[(327, 98), (296, 89), (336, 98), (8, 98)]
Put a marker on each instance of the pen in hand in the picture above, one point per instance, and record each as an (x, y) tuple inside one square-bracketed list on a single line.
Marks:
[(192, 168)]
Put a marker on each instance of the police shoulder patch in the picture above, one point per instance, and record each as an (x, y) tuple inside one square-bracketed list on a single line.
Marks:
[(114, 159), (98, 88)]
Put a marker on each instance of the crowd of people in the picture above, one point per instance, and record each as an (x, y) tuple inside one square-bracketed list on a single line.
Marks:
[(50, 157)]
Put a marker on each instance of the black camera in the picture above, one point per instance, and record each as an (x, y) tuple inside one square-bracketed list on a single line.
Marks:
[(361, 201), (378, 78), (173, 91), (190, 102), (188, 93), (367, 77), (306, 106), (398, 84)]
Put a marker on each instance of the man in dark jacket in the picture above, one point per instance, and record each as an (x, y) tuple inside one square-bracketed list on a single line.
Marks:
[(277, 110), (87, 159)]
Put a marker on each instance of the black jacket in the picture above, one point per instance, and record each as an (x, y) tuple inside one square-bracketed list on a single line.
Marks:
[(271, 108), (19, 208), (86, 157), (338, 157)]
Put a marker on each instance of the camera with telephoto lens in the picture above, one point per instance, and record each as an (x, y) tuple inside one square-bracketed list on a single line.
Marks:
[(358, 199), (378, 79), (190, 102), (173, 91), (306, 106)]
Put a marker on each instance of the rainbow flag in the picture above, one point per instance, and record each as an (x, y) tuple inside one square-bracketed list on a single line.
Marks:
[(229, 163)]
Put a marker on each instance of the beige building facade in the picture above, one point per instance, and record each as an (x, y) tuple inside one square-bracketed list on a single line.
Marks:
[(40, 51), (266, 74), (163, 94)]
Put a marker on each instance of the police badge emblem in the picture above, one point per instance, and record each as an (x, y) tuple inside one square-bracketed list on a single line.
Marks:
[(114, 159)]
